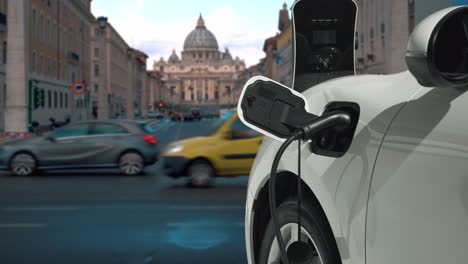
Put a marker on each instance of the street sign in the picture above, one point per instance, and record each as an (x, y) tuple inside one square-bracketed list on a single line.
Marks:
[(79, 88)]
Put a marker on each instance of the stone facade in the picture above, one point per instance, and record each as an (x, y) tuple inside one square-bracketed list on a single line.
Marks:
[(3, 48), (383, 29), (203, 77), (117, 74), (48, 45), (278, 62)]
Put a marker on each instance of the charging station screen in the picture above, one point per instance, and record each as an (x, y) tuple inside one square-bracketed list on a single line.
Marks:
[(323, 37)]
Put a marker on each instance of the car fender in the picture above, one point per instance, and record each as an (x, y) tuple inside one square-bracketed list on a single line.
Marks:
[(341, 185)]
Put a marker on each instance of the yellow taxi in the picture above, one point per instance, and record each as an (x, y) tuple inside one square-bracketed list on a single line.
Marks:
[(229, 150)]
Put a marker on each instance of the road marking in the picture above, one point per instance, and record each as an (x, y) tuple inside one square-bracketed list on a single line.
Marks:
[(209, 207), (180, 224), (177, 135), (22, 225), (42, 208)]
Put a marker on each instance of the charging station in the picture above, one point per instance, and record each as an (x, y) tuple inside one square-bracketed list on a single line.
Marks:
[(324, 41)]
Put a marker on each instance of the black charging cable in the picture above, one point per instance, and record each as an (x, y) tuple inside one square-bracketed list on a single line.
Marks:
[(301, 251), (296, 135)]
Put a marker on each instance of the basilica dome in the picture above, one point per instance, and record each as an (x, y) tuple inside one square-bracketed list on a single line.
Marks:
[(200, 38)]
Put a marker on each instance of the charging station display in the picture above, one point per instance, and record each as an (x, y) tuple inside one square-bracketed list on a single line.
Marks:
[(324, 43)]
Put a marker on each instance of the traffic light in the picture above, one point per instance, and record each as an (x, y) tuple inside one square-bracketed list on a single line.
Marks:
[(161, 105), (38, 97)]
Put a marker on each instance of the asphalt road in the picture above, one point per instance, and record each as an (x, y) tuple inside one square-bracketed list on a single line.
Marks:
[(101, 217)]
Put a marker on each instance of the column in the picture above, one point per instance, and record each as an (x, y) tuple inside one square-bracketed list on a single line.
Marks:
[(16, 112)]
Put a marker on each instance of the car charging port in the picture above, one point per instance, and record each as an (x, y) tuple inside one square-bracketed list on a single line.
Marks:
[(332, 142)]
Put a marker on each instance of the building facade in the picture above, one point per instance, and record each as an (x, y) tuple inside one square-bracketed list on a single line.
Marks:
[(203, 77), (383, 28), (117, 74), (154, 92), (278, 62), (3, 49), (47, 51), (136, 100)]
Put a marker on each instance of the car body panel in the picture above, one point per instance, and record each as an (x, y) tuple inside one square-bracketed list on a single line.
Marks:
[(343, 199), (229, 157), (418, 204)]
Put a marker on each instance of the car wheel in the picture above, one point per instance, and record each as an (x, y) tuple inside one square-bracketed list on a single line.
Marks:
[(200, 173), (314, 230), (131, 163), (23, 164)]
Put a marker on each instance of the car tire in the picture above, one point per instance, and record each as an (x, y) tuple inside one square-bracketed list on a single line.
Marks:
[(131, 164), (314, 228), (200, 174), (23, 164)]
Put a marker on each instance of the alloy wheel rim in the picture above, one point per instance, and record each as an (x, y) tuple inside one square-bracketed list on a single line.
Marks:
[(290, 235), (131, 164), (23, 164), (200, 174)]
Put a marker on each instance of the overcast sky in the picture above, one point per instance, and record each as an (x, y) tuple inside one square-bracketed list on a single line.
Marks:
[(156, 27)]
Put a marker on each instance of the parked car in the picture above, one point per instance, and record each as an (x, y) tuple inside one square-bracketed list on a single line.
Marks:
[(399, 194), (125, 144), (228, 150)]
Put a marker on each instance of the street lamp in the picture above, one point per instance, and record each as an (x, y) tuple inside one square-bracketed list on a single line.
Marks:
[(102, 22)]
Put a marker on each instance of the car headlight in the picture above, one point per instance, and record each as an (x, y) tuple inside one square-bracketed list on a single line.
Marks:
[(174, 149)]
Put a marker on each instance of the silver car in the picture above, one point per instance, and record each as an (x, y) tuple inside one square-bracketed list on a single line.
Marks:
[(127, 145)]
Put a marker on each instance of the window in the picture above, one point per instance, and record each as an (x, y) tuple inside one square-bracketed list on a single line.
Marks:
[(96, 70), (33, 62), (72, 131), (241, 131), (96, 52), (172, 91), (228, 90), (41, 64), (49, 68), (107, 129), (55, 100), (47, 31), (41, 28), (61, 100), (34, 25), (96, 88), (4, 52), (216, 94), (66, 100), (49, 99)]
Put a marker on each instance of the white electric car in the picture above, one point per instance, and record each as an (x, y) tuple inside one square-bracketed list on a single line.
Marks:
[(400, 192)]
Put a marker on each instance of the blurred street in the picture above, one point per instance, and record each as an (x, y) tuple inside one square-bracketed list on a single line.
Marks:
[(104, 217)]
